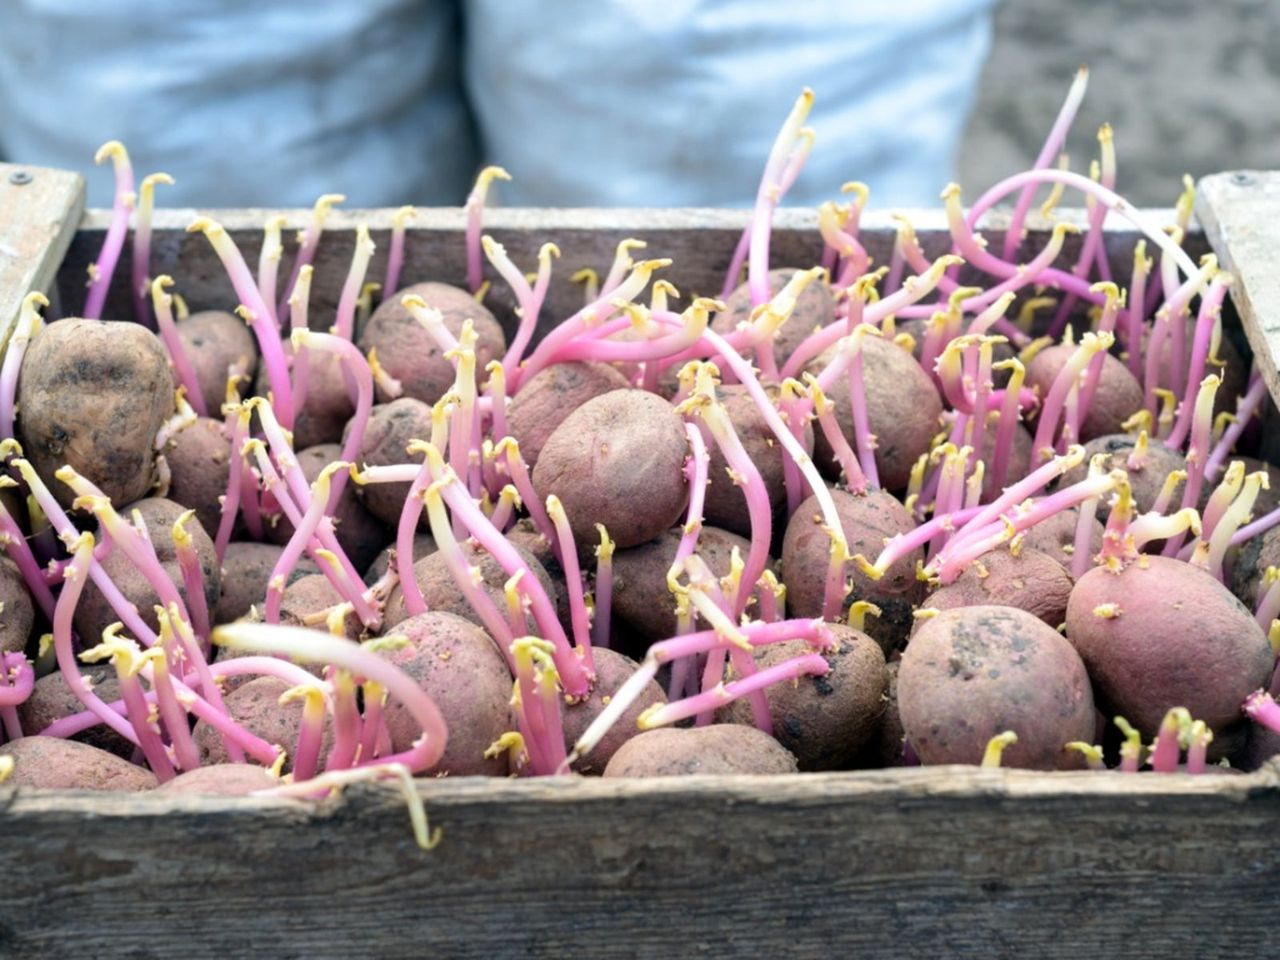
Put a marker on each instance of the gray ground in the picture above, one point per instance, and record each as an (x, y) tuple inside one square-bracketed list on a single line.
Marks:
[(1190, 86)]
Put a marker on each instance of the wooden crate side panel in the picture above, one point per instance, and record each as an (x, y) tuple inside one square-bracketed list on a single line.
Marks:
[(954, 862), (1240, 211), (40, 210), (700, 243)]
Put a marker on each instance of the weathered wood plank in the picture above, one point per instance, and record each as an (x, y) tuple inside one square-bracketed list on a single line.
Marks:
[(1240, 212), (955, 862), (39, 212)]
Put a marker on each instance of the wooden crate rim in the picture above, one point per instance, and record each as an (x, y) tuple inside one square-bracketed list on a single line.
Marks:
[(902, 783), (453, 219)]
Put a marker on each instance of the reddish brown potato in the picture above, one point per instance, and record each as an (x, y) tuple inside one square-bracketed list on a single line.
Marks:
[(612, 671), (360, 533), (1031, 581), (1146, 481), (552, 394), (641, 599), (723, 748), (256, 707), (199, 460), (307, 600), (886, 746), (52, 700), (464, 672), (1251, 562), (409, 354), (17, 613), (1162, 634), (617, 460), (868, 521), (422, 545), (824, 721), (51, 763), (327, 405), (392, 426), (974, 672), (1019, 460), (94, 395), (815, 307), (94, 614), (903, 408), (215, 341), (523, 534), (222, 780), (442, 593), (725, 506), (1056, 536), (1117, 397), (246, 569)]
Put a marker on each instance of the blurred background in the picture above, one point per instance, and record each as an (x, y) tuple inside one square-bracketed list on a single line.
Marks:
[(611, 103)]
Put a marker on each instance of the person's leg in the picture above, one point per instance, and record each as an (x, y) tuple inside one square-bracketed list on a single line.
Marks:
[(245, 104), (606, 102)]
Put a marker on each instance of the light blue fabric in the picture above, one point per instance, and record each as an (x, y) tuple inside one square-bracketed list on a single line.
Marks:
[(247, 103), (586, 102), (676, 103)]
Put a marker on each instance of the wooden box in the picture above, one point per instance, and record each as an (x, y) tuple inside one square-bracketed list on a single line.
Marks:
[(936, 863)]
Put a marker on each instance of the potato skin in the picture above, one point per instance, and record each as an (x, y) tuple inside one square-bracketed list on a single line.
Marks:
[(93, 395), (886, 745), (721, 748), (221, 780), (246, 568), (327, 406), (94, 614), (971, 673), (815, 307), (52, 763), (387, 435), (1144, 483), (550, 396), (52, 700), (1031, 581), (18, 613), (1251, 562), (725, 505), (612, 671), (409, 354), (359, 532), (463, 671), (311, 595), (423, 544), (199, 459), (1118, 395), (867, 522), (214, 341), (442, 593), (1181, 640), (618, 460), (903, 407), (824, 721), (641, 599), (255, 706), (1056, 536)]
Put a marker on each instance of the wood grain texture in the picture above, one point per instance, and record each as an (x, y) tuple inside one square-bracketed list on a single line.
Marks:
[(1240, 212), (700, 243), (39, 212), (941, 862)]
